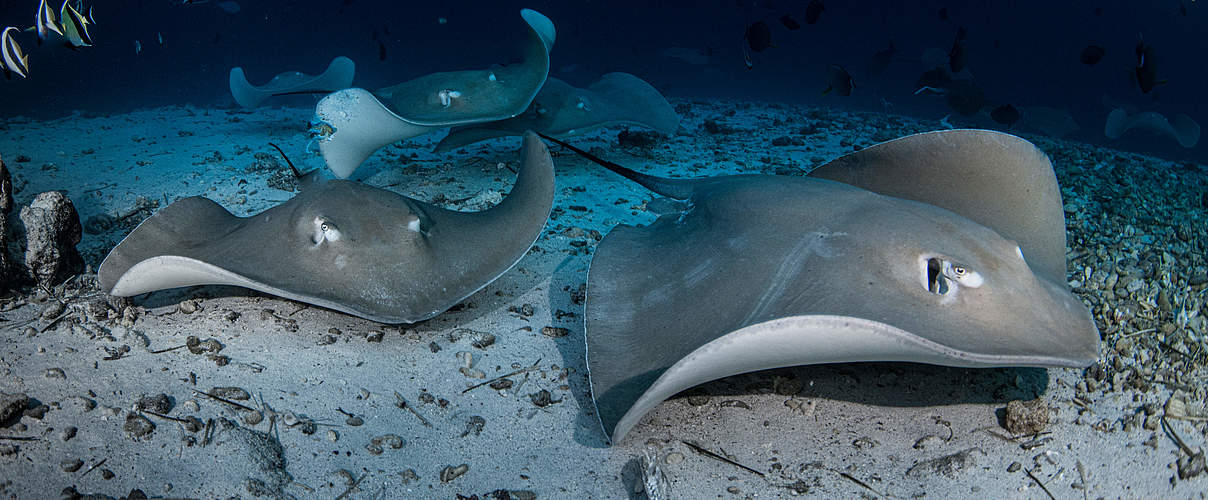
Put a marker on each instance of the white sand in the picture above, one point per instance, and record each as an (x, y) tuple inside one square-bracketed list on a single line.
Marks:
[(861, 422)]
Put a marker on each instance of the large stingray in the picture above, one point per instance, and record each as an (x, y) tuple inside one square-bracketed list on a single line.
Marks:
[(766, 271), (342, 245), (338, 75), (353, 123)]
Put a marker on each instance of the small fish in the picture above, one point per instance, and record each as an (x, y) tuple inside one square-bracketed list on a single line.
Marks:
[(1006, 115), (229, 7), (1182, 8), (381, 51), (759, 36), (159, 37), (46, 21), (789, 22), (75, 26), (1146, 72), (138, 47), (1098, 11), (964, 97), (15, 60), (943, 13), (813, 11), (956, 56), (1092, 54), (839, 80)]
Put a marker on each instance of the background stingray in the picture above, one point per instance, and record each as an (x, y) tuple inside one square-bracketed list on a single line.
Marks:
[(1181, 127), (769, 271), (338, 75), (341, 245), (353, 123), (561, 110)]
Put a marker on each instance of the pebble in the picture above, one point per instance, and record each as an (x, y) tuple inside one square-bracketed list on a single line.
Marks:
[(71, 465), (1029, 417), (56, 373), (53, 310), (673, 458), (332, 435), (138, 426), (189, 306), (554, 331), (69, 433)]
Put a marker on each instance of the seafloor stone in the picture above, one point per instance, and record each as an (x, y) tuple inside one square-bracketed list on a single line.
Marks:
[(6, 206), (1029, 417), (11, 405), (52, 230)]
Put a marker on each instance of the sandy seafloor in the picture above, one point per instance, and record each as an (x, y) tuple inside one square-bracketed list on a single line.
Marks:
[(838, 431)]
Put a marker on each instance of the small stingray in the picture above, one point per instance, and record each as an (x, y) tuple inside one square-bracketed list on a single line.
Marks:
[(342, 245), (353, 123), (1181, 128), (765, 271), (338, 75), (561, 110)]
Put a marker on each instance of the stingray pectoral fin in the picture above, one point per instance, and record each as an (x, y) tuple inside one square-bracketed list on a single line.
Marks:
[(165, 243), (997, 180), (351, 124), (789, 341), (244, 92), (338, 75)]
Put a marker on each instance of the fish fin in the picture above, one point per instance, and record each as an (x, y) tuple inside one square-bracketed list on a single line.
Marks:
[(828, 89)]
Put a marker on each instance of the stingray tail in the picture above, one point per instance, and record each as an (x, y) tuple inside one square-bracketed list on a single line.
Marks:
[(679, 189)]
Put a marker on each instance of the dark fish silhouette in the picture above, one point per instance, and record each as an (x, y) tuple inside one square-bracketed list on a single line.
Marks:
[(813, 11), (956, 56), (943, 13), (1006, 115), (839, 80), (881, 60), (790, 23), (1099, 11), (381, 51), (1092, 54), (1146, 72), (759, 36)]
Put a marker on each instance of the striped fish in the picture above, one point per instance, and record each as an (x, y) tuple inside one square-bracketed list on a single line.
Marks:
[(75, 26), (15, 60), (46, 21)]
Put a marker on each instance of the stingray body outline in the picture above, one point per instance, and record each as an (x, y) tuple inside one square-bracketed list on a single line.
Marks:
[(342, 245), (766, 271)]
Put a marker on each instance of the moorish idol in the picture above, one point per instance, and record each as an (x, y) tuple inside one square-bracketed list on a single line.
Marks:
[(15, 60), (46, 21), (75, 26)]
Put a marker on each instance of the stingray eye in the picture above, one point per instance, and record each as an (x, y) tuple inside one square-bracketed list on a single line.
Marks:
[(962, 275), (325, 230), (944, 277)]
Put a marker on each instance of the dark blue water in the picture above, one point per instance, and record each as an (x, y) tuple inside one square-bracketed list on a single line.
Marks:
[(1024, 53)]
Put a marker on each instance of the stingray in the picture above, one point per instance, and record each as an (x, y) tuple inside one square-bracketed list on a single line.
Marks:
[(353, 123), (561, 110), (342, 245), (338, 75), (1181, 128), (907, 259)]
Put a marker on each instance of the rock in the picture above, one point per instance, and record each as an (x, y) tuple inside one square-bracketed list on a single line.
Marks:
[(11, 405), (138, 426), (159, 403), (1026, 418), (6, 206), (52, 230)]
